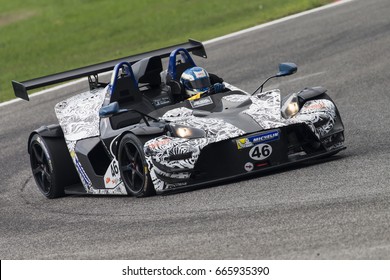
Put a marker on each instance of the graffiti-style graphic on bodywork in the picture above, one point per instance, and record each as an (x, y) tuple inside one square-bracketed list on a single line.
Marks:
[(265, 110), (161, 153), (79, 115), (79, 119), (236, 98), (174, 158), (216, 129), (319, 115)]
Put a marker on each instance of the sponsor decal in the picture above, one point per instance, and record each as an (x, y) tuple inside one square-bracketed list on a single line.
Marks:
[(248, 166), (243, 143), (315, 106), (159, 143), (201, 102), (200, 74), (260, 152), (263, 138), (257, 139), (82, 173), (112, 176), (161, 101)]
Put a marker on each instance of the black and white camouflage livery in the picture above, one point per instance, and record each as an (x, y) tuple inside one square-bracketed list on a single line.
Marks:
[(132, 135), (319, 115)]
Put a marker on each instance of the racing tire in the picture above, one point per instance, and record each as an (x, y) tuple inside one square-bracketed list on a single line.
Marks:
[(133, 167), (51, 165)]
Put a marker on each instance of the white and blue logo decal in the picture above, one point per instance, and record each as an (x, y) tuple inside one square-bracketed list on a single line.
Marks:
[(201, 102), (258, 139)]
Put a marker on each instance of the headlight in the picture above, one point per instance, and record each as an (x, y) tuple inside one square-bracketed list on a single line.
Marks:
[(185, 131), (291, 107)]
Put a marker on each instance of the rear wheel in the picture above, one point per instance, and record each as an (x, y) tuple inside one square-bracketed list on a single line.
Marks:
[(51, 165), (133, 167)]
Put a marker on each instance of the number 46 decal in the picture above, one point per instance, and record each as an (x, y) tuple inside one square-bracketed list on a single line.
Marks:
[(260, 152), (112, 177), (114, 168)]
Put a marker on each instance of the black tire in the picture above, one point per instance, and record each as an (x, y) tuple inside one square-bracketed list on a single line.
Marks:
[(133, 167), (51, 165)]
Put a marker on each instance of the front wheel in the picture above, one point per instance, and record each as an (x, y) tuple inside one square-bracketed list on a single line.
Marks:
[(133, 167)]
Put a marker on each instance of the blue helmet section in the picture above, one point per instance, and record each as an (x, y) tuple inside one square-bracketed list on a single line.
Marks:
[(195, 80), (172, 61)]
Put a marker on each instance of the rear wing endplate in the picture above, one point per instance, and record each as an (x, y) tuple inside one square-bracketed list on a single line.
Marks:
[(21, 88)]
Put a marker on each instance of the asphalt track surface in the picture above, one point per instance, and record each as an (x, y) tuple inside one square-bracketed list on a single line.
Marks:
[(335, 209)]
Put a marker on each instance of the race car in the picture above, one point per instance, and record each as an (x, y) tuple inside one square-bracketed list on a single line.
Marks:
[(134, 136)]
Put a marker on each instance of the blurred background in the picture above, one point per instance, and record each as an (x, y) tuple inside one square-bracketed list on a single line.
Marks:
[(42, 37)]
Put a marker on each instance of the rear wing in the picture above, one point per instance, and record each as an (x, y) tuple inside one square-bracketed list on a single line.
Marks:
[(21, 88)]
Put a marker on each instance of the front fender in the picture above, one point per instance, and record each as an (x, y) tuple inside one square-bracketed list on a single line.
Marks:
[(311, 93)]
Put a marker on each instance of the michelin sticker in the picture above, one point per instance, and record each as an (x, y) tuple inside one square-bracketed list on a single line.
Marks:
[(257, 139), (260, 152)]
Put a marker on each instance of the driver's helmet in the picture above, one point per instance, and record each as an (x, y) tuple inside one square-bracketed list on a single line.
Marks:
[(195, 80)]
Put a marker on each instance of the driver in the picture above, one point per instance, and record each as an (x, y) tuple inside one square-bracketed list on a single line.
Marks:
[(196, 81)]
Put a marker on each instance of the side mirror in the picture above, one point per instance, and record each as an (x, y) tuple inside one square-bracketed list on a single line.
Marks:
[(287, 68), (110, 110)]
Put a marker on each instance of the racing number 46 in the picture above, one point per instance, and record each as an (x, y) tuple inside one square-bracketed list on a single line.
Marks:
[(260, 152), (114, 168)]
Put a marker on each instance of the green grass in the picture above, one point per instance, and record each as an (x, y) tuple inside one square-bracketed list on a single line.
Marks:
[(41, 37)]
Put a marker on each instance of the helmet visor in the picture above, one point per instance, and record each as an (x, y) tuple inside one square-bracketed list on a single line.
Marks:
[(200, 83)]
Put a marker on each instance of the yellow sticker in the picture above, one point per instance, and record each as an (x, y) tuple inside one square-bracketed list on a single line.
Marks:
[(243, 143)]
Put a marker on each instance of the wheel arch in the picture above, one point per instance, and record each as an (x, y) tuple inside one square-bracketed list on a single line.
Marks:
[(319, 92), (312, 93), (144, 134), (46, 131), (118, 139)]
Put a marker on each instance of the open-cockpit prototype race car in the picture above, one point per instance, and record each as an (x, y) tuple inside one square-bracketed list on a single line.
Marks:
[(136, 134)]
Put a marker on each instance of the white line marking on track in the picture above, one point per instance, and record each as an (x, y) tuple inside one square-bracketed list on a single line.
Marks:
[(75, 82), (231, 35), (276, 85), (264, 25), (307, 76)]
